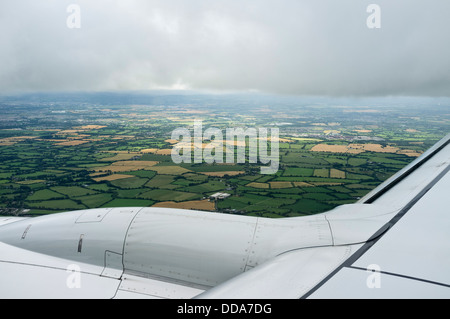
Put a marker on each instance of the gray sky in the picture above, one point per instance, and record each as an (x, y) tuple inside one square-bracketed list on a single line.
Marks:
[(316, 47)]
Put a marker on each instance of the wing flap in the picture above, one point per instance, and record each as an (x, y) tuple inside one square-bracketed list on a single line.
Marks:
[(289, 275), (359, 283), (418, 244)]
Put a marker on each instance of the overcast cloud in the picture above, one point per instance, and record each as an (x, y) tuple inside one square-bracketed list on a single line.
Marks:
[(316, 47)]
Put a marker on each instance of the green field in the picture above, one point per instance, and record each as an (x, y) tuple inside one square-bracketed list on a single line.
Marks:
[(298, 171), (44, 194), (212, 186), (162, 195), (73, 191), (93, 201), (132, 182), (65, 204)]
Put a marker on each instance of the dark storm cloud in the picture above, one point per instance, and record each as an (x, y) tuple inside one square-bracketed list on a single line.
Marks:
[(320, 47)]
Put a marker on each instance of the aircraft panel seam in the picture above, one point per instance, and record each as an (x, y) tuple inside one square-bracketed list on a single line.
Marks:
[(123, 247), (402, 276), (331, 230), (251, 245)]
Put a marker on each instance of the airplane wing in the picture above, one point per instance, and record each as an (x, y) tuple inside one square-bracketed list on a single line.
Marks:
[(407, 256), (412, 258), (393, 243)]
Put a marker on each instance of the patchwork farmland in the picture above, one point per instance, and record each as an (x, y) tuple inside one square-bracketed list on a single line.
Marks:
[(120, 156)]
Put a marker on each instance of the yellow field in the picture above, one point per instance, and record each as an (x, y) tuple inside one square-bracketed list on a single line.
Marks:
[(112, 177), (355, 150), (258, 185), (21, 138), (363, 131), (169, 170), (375, 148), (194, 204), (274, 185), (8, 141), (92, 127), (166, 151), (148, 150), (302, 184), (360, 148), (335, 173), (409, 153), (71, 143), (125, 166), (49, 130)]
